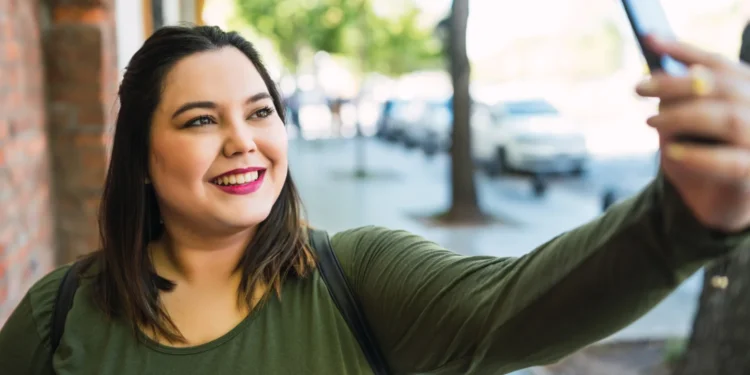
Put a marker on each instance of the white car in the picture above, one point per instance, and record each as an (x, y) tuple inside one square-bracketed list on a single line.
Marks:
[(314, 115), (528, 136), (438, 125), (432, 129), (403, 115)]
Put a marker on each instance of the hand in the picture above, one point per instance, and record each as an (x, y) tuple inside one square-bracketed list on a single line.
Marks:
[(712, 101)]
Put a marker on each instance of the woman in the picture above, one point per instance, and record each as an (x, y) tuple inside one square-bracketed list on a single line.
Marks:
[(205, 266)]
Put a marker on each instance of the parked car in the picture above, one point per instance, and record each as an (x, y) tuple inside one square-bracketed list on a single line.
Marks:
[(434, 128), (528, 136), (315, 119), (437, 124), (396, 116), (431, 130)]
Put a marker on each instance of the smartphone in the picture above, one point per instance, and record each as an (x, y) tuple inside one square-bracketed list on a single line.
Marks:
[(648, 17)]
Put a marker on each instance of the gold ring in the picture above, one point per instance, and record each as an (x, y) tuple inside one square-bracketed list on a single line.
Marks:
[(701, 81)]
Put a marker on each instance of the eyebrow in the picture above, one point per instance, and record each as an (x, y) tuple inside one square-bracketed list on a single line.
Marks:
[(211, 105)]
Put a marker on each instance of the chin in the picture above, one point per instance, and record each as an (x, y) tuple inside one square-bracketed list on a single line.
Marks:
[(247, 218)]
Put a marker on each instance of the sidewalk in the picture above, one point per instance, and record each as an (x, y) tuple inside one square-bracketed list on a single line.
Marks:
[(414, 185)]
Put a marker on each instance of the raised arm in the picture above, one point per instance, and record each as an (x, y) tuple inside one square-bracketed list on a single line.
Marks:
[(434, 310)]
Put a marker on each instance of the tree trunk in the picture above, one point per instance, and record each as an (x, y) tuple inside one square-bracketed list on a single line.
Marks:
[(720, 341), (464, 204)]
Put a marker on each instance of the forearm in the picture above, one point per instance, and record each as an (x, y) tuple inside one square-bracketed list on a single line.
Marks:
[(595, 280), (432, 309)]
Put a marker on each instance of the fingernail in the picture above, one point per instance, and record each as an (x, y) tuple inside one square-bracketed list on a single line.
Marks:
[(676, 152), (646, 86)]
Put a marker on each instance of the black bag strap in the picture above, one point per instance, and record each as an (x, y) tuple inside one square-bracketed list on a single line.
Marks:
[(338, 287), (63, 302)]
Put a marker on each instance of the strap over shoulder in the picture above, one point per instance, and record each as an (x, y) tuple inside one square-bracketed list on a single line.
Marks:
[(347, 303), (63, 303)]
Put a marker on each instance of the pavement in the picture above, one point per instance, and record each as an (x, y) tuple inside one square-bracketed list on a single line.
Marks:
[(406, 184)]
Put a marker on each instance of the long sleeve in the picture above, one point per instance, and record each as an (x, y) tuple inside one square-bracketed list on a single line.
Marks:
[(435, 311)]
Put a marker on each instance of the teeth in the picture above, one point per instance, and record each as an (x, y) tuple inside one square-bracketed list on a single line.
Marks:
[(237, 179)]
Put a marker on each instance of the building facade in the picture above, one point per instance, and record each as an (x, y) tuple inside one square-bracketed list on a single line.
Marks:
[(60, 65)]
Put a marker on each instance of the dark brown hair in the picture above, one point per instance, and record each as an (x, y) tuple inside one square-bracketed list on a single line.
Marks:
[(125, 283)]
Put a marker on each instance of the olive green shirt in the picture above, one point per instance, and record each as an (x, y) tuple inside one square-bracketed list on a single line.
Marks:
[(431, 310)]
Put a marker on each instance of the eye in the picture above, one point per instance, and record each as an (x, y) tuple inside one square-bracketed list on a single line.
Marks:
[(263, 112), (199, 121)]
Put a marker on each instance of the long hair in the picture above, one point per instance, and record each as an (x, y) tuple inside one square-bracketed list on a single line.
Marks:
[(125, 284)]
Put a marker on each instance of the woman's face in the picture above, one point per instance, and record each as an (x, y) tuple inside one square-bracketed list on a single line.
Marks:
[(218, 156)]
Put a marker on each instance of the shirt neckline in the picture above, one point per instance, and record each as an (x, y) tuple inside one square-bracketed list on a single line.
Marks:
[(187, 350)]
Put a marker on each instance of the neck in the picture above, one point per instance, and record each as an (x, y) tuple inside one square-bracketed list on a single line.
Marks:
[(186, 256)]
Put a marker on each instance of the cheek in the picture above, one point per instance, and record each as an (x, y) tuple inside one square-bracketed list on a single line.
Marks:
[(276, 149), (176, 159), (276, 144)]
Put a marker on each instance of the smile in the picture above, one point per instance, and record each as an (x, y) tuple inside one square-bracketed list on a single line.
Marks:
[(240, 183), (237, 179)]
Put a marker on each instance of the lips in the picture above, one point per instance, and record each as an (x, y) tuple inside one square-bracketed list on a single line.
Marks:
[(240, 183)]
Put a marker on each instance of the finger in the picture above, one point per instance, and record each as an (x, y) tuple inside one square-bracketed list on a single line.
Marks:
[(700, 82), (686, 53), (712, 119), (725, 163)]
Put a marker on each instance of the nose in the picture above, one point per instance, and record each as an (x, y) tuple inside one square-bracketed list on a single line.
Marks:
[(239, 139)]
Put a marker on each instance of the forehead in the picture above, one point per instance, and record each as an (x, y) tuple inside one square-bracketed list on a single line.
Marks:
[(223, 75)]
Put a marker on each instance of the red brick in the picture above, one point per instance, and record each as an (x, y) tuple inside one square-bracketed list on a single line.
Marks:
[(7, 28), (3, 129), (23, 148), (12, 51), (80, 15), (68, 135), (83, 3)]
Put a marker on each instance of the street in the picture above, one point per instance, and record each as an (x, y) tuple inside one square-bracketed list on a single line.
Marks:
[(404, 186)]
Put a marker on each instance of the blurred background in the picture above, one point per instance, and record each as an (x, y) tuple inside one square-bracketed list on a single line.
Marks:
[(554, 134)]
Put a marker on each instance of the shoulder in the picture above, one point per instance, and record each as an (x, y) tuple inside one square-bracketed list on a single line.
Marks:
[(46, 287), (41, 298), (374, 237), (32, 319), (369, 246)]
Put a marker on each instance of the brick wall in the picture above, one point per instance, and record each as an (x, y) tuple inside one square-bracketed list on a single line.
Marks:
[(58, 77), (26, 232), (81, 62)]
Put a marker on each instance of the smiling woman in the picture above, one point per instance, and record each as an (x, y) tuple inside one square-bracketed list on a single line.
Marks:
[(206, 267)]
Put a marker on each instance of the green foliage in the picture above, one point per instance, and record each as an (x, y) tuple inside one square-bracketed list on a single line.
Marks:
[(350, 28), (399, 46)]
